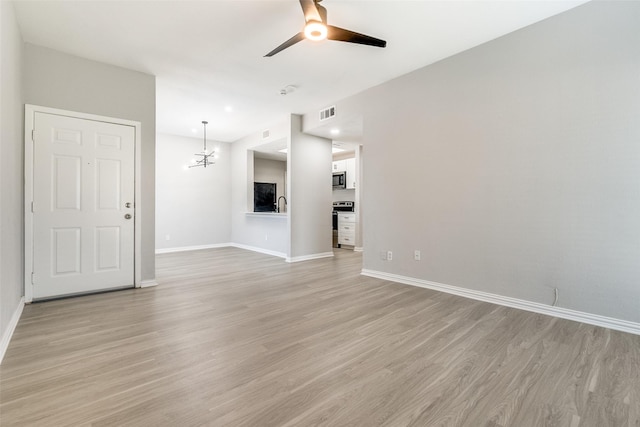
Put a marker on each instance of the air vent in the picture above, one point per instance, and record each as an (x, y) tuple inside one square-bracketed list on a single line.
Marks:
[(265, 134), (327, 113)]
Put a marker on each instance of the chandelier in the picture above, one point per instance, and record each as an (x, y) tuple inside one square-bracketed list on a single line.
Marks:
[(206, 158)]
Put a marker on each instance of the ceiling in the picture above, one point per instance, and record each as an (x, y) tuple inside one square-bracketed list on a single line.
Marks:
[(208, 56), (277, 150)]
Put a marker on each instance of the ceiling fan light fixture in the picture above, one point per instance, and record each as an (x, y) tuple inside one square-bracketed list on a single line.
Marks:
[(315, 31)]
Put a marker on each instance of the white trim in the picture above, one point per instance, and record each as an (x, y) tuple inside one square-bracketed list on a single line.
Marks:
[(11, 327), (29, 115), (563, 313), (256, 249), (248, 248), (357, 249), (275, 215), (309, 257), (192, 248), (138, 209), (148, 283)]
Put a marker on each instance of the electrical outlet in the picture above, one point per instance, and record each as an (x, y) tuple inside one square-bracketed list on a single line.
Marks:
[(266, 237), (389, 255), (167, 237), (416, 255)]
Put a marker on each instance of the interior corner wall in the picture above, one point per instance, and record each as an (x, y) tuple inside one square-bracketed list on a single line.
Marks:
[(310, 198), (11, 169), (515, 166), (193, 205), (269, 234), (58, 80)]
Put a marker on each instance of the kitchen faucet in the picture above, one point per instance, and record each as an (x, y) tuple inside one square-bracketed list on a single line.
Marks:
[(278, 202)]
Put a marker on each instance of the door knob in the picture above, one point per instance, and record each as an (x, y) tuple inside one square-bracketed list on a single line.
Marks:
[(127, 216)]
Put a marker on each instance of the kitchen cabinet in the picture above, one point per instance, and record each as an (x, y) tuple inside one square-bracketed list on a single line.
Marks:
[(347, 228), (348, 166)]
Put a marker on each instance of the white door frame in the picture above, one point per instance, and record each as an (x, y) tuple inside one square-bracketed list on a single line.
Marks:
[(29, 116)]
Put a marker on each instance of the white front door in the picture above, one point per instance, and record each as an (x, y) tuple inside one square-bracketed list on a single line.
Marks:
[(83, 205)]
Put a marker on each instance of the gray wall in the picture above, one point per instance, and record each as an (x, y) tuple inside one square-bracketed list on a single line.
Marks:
[(515, 166), (309, 192), (193, 206), (57, 80), (11, 167)]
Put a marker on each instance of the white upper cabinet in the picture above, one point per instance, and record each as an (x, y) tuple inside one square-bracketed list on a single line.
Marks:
[(348, 166)]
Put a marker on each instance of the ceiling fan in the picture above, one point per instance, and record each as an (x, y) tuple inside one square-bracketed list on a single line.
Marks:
[(316, 28)]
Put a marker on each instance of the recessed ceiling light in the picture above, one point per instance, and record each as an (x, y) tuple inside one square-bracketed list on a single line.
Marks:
[(284, 150), (335, 131), (228, 108), (194, 130), (336, 150)]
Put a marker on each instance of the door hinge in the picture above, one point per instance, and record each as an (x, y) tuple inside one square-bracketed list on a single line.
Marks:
[(33, 278), (33, 135), (32, 207)]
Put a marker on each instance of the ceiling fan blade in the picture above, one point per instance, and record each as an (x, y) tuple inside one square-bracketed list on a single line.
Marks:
[(293, 40), (310, 10), (340, 34), (322, 11)]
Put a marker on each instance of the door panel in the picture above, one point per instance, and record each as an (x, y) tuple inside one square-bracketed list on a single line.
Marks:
[(66, 251), (67, 182), (108, 184), (83, 180), (107, 248)]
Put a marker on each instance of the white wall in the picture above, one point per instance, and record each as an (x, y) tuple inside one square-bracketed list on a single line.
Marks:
[(305, 232), (11, 170), (272, 171), (193, 206), (359, 191), (514, 166), (343, 195), (269, 234), (309, 193), (55, 79)]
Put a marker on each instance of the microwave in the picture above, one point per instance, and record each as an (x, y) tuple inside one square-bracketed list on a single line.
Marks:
[(339, 180)]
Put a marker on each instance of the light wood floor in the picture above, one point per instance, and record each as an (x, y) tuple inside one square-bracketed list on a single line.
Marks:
[(235, 338)]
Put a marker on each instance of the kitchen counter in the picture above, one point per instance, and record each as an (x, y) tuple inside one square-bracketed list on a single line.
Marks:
[(267, 214)]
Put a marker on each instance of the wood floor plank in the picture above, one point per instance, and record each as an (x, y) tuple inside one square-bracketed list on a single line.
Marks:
[(236, 338)]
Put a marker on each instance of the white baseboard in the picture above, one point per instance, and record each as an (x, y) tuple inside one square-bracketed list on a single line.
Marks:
[(8, 333), (357, 249), (246, 247), (192, 248), (309, 257), (257, 249), (148, 284), (564, 313)]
